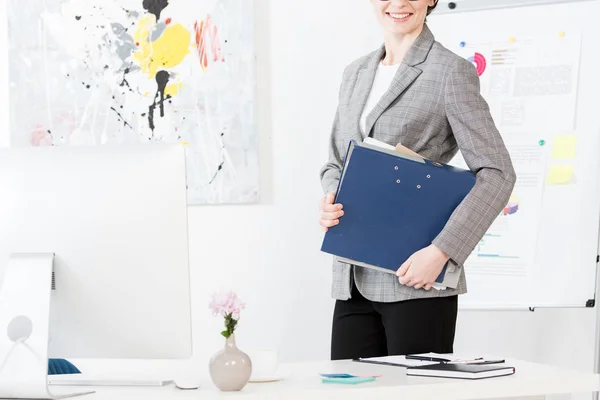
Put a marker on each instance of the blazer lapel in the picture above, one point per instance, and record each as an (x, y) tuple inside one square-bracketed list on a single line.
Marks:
[(405, 76), (364, 83)]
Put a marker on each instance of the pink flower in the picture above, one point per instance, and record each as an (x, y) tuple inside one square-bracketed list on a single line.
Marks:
[(226, 303)]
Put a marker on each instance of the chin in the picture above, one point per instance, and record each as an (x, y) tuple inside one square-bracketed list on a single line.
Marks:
[(400, 29)]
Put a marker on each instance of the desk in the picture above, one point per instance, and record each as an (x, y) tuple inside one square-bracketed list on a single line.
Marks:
[(303, 382)]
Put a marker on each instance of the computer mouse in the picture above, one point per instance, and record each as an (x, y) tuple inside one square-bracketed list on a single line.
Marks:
[(188, 383)]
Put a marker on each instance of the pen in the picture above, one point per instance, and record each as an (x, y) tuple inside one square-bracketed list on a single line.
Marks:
[(427, 358)]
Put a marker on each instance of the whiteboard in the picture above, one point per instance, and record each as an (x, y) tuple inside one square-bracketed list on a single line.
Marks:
[(539, 72)]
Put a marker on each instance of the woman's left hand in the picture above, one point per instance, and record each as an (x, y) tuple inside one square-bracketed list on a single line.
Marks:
[(422, 268)]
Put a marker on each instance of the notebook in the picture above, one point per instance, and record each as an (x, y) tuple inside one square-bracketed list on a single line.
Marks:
[(461, 371), (395, 204)]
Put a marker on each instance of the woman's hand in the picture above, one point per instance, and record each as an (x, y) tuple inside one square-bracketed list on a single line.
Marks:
[(422, 268), (330, 213)]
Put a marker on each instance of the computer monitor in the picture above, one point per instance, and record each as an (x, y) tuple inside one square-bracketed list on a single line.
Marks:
[(101, 233)]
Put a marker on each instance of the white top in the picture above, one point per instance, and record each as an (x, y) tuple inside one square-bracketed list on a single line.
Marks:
[(301, 381), (383, 79)]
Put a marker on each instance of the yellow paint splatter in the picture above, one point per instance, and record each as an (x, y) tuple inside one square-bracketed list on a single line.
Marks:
[(141, 36), (166, 52), (173, 89)]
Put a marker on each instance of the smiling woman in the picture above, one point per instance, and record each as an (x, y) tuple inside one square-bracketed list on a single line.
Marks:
[(412, 91), (404, 17)]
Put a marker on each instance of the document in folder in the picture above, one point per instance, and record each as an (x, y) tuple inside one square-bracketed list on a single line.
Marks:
[(394, 205)]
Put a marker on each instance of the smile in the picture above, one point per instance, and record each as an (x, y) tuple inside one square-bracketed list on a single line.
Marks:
[(399, 17)]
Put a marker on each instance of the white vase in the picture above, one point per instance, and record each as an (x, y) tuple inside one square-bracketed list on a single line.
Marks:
[(230, 368)]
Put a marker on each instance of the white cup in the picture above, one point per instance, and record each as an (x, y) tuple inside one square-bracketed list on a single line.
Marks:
[(264, 363)]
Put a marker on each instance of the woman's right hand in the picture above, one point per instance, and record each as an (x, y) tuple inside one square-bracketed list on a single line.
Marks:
[(330, 213)]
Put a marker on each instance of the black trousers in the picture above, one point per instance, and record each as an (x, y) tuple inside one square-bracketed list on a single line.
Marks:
[(362, 328)]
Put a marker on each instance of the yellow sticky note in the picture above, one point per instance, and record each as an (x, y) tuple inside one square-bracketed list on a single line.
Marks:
[(560, 174), (564, 147), (184, 143), (561, 34)]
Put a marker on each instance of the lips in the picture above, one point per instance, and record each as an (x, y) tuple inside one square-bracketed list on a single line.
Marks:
[(399, 16)]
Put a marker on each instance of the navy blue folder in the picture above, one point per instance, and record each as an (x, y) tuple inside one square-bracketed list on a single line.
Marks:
[(394, 205)]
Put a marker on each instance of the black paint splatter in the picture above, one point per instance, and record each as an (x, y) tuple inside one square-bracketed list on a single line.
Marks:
[(217, 172), (155, 6), (124, 81), (162, 78), (78, 17), (120, 116), (220, 167)]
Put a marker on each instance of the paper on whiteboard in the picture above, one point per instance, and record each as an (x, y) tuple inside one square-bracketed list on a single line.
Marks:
[(509, 245), (530, 83)]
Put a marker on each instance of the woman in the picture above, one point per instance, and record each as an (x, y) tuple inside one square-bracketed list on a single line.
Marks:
[(413, 91)]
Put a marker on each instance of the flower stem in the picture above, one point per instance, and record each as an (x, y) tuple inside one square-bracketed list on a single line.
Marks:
[(230, 325)]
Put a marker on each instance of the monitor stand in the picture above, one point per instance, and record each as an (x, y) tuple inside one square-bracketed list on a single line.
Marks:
[(24, 328)]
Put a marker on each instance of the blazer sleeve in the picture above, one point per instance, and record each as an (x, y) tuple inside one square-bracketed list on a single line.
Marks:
[(485, 154), (332, 170)]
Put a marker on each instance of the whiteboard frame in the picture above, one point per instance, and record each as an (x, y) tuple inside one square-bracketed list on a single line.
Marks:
[(476, 5), (596, 395)]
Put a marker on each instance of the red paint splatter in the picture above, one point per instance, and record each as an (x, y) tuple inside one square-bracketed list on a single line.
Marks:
[(63, 126), (168, 21), (40, 137), (207, 40), (137, 44)]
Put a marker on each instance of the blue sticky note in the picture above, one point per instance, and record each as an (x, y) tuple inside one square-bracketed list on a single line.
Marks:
[(355, 380), (337, 375)]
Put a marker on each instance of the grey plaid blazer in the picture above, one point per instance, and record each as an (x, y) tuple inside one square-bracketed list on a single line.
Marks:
[(433, 107)]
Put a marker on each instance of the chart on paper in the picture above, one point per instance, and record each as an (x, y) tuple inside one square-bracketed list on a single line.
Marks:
[(509, 246), (522, 78)]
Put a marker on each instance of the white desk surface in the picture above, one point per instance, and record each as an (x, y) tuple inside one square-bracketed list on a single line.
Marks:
[(303, 382)]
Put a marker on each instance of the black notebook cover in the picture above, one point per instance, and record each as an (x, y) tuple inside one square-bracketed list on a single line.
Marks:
[(463, 371)]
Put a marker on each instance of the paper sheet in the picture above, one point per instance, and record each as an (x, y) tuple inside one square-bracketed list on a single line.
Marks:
[(531, 82), (399, 361), (509, 246)]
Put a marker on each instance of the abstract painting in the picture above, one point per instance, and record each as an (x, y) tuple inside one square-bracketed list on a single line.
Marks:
[(93, 72)]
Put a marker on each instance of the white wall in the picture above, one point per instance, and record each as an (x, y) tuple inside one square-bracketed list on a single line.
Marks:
[(270, 252)]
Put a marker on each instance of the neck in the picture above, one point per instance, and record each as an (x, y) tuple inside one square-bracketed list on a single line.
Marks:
[(396, 46)]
